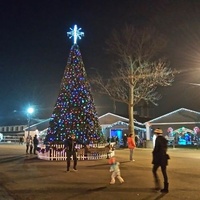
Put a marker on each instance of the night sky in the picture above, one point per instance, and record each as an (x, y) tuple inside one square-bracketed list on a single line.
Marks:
[(34, 48)]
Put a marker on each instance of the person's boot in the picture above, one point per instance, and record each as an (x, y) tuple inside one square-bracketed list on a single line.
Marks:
[(166, 188)]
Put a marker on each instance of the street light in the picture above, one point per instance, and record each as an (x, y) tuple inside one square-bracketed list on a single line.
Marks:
[(30, 111)]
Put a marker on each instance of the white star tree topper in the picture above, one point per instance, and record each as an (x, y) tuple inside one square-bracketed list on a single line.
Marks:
[(75, 33)]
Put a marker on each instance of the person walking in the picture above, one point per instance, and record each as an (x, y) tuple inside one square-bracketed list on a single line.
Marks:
[(35, 144), (28, 138), (108, 139), (160, 159), (114, 168), (136, 140), (31, 146), (21, 140), (131, 146), (71, 150), (125, 140)]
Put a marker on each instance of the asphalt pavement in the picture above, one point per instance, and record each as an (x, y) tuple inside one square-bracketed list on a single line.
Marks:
[(25, 177)]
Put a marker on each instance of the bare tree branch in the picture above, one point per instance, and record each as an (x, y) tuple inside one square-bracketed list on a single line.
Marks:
[(137, 73)]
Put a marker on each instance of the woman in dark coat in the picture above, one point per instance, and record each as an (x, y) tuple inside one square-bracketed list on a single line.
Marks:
[(35, 144), (160, 159)]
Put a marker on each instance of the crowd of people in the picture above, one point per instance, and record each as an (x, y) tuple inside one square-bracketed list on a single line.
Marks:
[(31, 144), (139, 142), (159, 155)]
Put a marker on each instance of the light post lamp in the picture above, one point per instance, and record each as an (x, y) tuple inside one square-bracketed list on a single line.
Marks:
[(30, 111)]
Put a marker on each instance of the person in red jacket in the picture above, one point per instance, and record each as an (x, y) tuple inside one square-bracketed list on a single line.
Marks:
[(131, 146)]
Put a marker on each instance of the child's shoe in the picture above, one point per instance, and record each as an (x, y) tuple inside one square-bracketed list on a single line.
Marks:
[(122, 181), (112, 182)]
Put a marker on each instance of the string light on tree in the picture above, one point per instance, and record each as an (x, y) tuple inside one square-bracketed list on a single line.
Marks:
[(74, 111)]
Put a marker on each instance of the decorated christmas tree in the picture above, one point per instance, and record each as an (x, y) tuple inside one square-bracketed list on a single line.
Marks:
[(74, 111)]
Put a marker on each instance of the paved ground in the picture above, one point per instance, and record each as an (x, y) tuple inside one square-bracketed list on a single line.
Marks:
[(25, 177)]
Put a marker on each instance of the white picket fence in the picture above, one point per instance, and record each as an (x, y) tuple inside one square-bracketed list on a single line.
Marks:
[(96, 151)]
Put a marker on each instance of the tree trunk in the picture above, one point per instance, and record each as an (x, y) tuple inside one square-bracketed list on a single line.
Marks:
[(130, 111), (131, 104)]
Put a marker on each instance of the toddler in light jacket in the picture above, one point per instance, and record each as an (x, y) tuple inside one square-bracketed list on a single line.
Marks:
[(114, 168)]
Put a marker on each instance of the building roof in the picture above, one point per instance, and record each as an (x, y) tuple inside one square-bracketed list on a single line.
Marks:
[(110, 118), (181, 115), (177, 119), (120, 124), (41, 125)]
